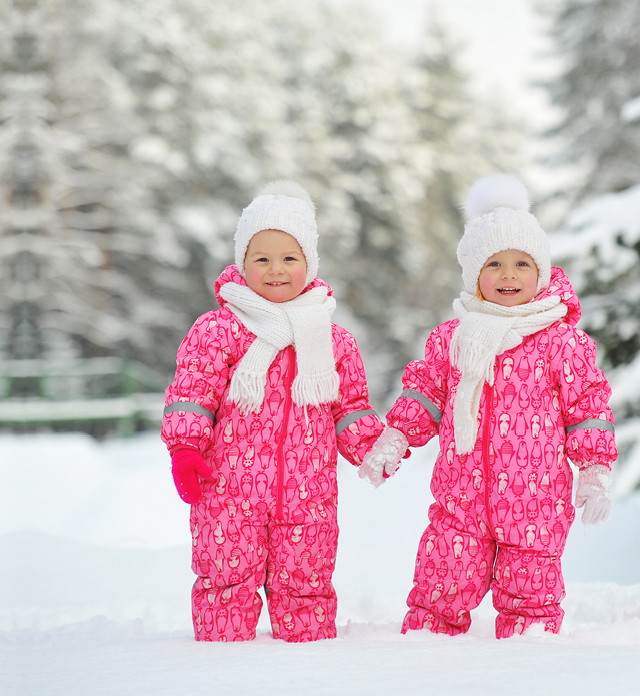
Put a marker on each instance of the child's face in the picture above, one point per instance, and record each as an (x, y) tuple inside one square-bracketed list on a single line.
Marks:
[(509, 278), (275, 266)]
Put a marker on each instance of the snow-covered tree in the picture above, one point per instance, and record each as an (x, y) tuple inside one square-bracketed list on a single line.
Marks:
[(84, 247), (134, 131), (601, 249), (600, 245), (598, 44), (388, 140)]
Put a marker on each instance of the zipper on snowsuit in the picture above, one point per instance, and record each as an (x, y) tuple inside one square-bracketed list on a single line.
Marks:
[(486, 432), (280, 463)]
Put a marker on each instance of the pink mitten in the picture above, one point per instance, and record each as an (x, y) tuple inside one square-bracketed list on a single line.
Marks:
[(187, 465)]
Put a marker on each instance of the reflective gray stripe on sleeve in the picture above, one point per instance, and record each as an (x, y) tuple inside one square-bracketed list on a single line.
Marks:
[(352, 418), (189, 407), (592, 423), (435, 412)]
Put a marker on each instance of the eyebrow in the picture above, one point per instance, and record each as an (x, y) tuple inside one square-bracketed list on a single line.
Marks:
[(525, 257), (269, 253)]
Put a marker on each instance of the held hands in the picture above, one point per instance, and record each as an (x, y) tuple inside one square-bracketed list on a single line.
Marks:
[(594, 493), (187, 465), (384, 458)]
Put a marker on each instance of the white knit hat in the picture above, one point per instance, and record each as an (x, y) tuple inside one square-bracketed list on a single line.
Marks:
[(498, 218), (281, 205)]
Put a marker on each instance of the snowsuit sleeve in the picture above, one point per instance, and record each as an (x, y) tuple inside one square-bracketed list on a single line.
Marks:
[(583, 393), (418, 410), (203, 362), (357, 424)]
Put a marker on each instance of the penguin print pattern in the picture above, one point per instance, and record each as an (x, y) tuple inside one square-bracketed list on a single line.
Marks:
[(268, 515), (502, 512)]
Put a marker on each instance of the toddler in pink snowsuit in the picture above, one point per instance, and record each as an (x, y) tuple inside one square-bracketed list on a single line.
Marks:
[(512, 389), (267, 391)]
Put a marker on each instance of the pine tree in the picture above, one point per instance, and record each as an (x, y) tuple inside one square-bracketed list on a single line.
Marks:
[(600, 247), (598, 44), (388, 142), (83, 254), (155, 121)]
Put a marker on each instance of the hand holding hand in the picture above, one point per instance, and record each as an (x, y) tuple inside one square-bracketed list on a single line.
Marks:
[(385, 457), (594, 493), (187, 465)]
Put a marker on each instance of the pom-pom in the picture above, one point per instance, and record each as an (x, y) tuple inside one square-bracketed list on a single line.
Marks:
[(495, 191), (288, 187)]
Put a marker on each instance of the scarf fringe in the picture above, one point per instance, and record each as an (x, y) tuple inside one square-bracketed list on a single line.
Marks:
[(476, 358), (247, 390), (466, 428), (313, 390)]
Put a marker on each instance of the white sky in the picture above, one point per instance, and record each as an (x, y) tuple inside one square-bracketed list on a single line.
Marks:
[(504, 48), (502, 40)]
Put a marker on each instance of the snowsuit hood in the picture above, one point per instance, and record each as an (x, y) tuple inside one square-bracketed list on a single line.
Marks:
[(560, 285)]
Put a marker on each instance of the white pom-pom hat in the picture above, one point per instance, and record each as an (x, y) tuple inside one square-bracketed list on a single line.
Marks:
[(498, 218), (281, 205)]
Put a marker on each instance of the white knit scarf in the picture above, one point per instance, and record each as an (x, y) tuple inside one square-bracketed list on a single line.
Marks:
[(485, 331), (305, 323)]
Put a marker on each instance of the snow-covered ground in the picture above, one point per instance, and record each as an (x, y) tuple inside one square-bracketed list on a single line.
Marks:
[(95, 581)]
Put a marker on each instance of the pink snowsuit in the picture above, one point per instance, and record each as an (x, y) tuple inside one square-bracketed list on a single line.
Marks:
[(502, 513), (268, 513)]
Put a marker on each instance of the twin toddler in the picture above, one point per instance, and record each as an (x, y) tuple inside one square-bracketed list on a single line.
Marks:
[(268, 391)]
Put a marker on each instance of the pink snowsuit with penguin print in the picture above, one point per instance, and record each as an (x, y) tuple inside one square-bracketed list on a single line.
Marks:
[(268, 513), (502, 513)]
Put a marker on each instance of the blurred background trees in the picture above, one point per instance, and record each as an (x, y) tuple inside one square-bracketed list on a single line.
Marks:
[(598, 90), (133, 132)]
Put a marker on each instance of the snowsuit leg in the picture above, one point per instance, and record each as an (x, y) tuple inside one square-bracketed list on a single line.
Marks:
[(527, 592), (452, 575), (531, 523), (528, 585), (300, 595), (229, 558)]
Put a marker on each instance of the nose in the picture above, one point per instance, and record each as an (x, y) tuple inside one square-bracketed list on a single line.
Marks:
[(276, 268), (508, 272)]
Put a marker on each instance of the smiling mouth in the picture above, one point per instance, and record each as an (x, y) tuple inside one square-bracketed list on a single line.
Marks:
[(508, 291), (276, 285)]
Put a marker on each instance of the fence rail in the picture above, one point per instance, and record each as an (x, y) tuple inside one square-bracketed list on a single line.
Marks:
[(74, 393)]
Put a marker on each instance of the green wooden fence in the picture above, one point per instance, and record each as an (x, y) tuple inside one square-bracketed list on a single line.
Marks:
[(75, 394)]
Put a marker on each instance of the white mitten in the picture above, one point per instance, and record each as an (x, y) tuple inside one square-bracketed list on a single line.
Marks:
[(594, 493), (384, 457)]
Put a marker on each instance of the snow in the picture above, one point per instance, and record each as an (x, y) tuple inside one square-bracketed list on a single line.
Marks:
[(21, 411), (630, 112), (597, 225), (624, 384), (95, 583)]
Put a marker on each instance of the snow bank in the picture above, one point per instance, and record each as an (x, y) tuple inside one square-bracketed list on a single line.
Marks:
[(102, 657), (95, 581)]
